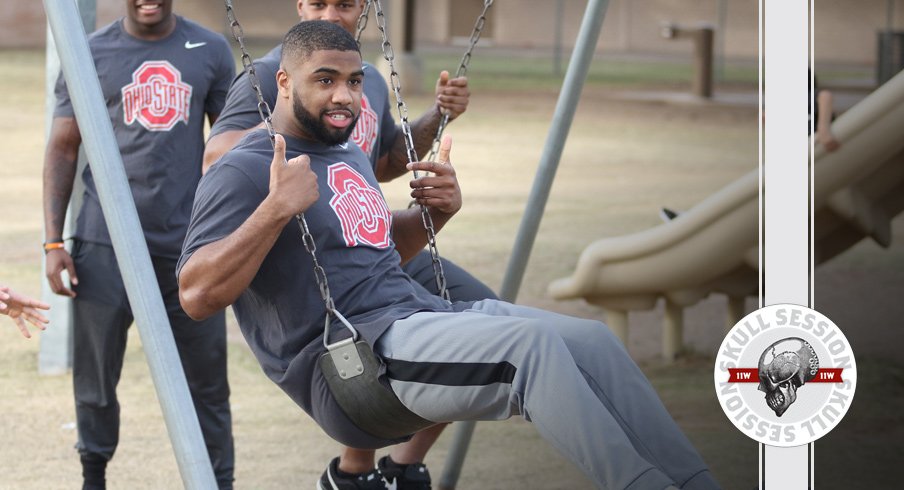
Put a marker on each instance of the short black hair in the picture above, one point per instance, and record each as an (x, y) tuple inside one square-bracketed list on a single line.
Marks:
[(308, 36)]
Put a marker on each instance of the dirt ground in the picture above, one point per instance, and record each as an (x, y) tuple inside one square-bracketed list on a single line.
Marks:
[(623, 160)]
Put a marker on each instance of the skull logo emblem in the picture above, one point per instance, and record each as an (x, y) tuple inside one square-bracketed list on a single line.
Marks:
[(784, 367)]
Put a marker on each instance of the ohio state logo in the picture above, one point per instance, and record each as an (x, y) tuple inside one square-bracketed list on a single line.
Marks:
[(361, 209), (365, 133), (157, 98), (785, 375)]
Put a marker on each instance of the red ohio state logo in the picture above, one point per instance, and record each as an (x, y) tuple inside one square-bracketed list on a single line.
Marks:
[(157, 98), (365, 133), (361, 209)]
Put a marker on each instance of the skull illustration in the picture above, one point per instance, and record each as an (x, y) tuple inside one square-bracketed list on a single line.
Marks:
[(784, 367)]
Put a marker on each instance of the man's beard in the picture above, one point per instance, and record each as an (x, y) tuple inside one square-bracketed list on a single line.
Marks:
[(315, 127)]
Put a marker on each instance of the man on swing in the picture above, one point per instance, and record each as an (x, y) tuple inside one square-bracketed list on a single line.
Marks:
[(484, 360), (383, 142)]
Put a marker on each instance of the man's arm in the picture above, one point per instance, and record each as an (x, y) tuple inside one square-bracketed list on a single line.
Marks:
[(219, 144), (452, 97), (217, 273), (239, 114), (60, 164), (441, 195)]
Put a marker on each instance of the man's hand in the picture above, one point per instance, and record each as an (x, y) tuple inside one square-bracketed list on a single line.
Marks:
[(452, 95), (58, 260), (439, 191), (21, 308), (293, 185)]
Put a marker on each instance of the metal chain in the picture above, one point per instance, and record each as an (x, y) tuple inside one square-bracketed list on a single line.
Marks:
[(427, 220), (362, 22), (462, 71), (266, 115)]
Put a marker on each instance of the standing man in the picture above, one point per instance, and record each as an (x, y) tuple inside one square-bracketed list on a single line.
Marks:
[(160, 74), (377, 134), (484, 360)]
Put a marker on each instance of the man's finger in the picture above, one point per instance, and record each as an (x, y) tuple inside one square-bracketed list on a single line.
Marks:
[(70, 268), (37, 320), (38, 304), (445, 147), (22, 327), (36, 316), (279, 149), (458, 82), (443, 79)]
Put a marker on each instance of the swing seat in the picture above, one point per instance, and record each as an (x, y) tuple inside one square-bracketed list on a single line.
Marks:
[(352, 371)]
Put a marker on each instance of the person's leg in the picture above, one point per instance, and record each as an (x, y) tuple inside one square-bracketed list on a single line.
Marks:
[(202, 350), (622, 387), (415, 450), (474, 366), (462, 285), (101, 318)]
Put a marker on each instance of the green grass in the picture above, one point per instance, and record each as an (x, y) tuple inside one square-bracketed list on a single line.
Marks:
[(494, 71)]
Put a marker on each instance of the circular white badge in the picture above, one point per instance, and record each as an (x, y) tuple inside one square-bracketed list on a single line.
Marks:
[(785, 375)]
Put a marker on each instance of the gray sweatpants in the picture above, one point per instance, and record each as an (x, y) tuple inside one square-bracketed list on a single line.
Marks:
[(571, 377)]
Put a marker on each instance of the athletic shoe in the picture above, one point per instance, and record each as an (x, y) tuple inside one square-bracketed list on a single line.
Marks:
[(93, 472), (404, 476), (332, 479), (667, 214)]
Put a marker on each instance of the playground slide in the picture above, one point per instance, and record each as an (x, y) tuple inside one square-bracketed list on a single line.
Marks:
[(713, 247)]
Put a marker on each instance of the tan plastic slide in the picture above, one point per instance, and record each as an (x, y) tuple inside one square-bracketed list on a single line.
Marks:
[(713, 247)]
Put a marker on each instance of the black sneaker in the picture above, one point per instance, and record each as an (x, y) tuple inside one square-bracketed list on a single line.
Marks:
[(404, 476), (93, 472), (332, 479)]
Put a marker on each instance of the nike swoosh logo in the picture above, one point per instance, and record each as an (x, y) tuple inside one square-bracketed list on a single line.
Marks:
[(391, 485), (191, 45)]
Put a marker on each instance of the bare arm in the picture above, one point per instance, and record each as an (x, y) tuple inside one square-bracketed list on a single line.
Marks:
[(60, 164), (217, 273), (219, 144), (452, 97), (441, 195)]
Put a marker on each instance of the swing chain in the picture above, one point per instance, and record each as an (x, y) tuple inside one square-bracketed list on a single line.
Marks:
[(462, 71), (362, 22), (239, 35), (427, 220), (266, 115)]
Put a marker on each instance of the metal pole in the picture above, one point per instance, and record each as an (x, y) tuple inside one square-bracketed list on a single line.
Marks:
[(555, 143), (55, 353), (549, 162), (128, 242)]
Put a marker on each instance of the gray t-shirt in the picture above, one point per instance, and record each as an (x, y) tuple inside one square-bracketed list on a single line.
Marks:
[(157, 94), (374, 133), (281, 313)]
